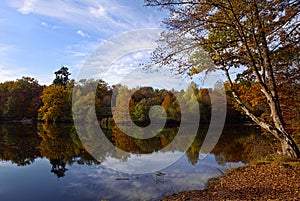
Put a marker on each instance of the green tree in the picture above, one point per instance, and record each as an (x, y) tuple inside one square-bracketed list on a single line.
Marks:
[(139, 113), (62, 76), (252, 34)]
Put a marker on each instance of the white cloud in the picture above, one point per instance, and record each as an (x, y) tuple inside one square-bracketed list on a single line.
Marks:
[(27, 6), (82, 49), (45, 24), (98, 16), (144, 163), (97, 12), (83, 13), (91, 19), (82, 34), (9, 74), (138, 55), (178, 177), (79, 52)]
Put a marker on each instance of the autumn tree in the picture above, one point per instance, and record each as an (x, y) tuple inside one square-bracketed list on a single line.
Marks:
[(103, 99), (57, 104), (191, 103), (122, 99), (20, 99), (172, 107), (90, 95), (253, 36), (57, 98)]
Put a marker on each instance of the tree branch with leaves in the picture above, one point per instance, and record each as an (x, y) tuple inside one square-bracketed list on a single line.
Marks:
[(249, 35)]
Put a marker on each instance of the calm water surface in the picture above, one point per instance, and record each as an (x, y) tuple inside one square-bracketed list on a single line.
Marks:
[(48, 162)]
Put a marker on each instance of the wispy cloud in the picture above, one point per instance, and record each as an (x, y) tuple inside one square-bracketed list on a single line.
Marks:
[(82, 26), (5, 49), (7, 71), (98, 12), (82, 49), (7, 74), (97, 15), (27, 6), (45, 24), (79, 53), (118, 61), (82, 34)]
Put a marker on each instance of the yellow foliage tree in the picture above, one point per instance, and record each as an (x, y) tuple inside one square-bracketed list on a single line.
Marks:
[(56, 104)]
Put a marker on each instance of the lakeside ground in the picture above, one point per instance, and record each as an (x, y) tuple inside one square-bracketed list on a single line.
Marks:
[(260, 181)]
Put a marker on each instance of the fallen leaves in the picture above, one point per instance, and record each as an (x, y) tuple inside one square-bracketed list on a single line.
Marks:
[(257, 182)]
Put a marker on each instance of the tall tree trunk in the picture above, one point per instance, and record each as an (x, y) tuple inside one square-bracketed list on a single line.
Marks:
[(288, 145)]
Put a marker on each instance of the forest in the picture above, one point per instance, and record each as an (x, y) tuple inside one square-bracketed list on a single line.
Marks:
[(252, 45), (26, 100)]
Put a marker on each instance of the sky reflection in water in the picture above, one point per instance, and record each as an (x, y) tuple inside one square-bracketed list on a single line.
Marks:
[(31, 168), (96, 182)]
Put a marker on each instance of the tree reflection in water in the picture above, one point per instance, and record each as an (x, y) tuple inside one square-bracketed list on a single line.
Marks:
[(60, 144), (58, 167)]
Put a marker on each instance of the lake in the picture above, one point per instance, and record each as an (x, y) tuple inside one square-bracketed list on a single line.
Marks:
[(48, 162)]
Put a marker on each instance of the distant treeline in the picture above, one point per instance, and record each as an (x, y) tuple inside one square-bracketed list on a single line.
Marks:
[(25, 99)]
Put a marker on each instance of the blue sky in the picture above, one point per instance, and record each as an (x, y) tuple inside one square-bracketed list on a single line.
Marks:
[(39, 36)]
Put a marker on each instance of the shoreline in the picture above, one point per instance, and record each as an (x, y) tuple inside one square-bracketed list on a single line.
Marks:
[(260, 181)]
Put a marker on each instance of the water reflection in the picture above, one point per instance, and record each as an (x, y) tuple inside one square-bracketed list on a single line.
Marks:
[(61, 143), (58, 167), (48, 151), (19, 145)]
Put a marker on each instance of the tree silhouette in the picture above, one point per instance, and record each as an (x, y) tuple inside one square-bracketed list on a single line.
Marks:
[(61, 76)]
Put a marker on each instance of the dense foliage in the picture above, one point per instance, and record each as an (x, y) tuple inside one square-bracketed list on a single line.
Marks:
[(20, 99), (258, 38), (24, 99)]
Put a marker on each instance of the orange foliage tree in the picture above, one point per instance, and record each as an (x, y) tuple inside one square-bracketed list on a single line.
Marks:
[(259, 37)]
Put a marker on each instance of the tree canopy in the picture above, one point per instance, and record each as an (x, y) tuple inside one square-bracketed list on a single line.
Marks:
[(20, 99), (61, 76), (258, 37)]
